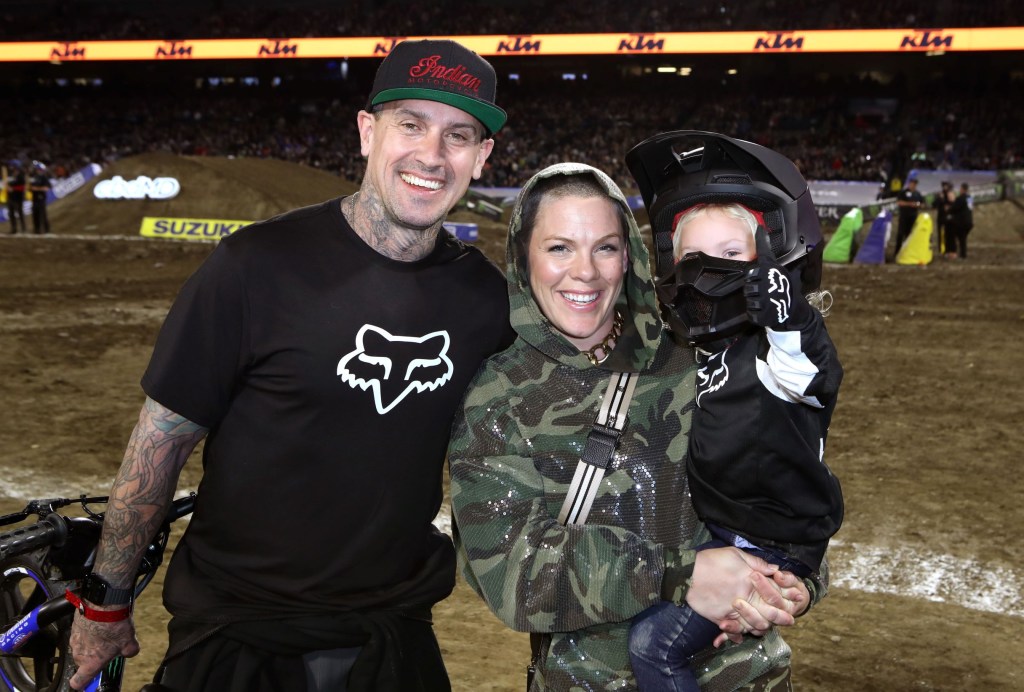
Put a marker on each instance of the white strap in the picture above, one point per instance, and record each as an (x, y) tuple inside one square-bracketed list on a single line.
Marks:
[(599, 448)]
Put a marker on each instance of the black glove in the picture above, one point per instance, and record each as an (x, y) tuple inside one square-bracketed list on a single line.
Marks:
[(774, 300)]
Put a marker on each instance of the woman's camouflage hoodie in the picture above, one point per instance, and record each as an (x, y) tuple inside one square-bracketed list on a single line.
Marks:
[(514, 449)]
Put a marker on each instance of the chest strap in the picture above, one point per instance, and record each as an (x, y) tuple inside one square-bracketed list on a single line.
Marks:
[(599, 448)]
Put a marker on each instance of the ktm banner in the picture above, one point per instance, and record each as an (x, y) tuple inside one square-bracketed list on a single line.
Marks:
[(730, 42)]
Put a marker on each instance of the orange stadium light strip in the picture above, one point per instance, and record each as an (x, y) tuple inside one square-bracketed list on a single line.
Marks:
[(732, 42)]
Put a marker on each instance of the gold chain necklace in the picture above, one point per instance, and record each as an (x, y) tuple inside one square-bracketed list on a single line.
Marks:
[(605, 345)]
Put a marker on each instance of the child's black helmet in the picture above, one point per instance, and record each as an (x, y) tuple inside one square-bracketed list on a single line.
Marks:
[(677, 170)]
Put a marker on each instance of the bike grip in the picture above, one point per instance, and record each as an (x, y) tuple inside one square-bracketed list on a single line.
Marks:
[(93, 686), (109, 679), (52, 530)]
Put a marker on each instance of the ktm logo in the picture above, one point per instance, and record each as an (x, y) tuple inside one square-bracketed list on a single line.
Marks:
[(67, 51), (385, 48), (396, 366), (779, 41), (639, 43), (175, 49), (712, 376), (519, 45), (928, 41), (278, 49)]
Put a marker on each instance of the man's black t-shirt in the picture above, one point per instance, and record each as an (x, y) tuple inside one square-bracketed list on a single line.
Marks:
[(908, 195), (16, 187), (40, 187), (328, 376)]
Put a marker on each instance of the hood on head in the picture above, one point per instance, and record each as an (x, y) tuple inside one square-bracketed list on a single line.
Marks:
[(643, 327)]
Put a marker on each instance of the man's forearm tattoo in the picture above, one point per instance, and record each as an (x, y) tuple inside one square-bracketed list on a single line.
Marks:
[(158, 448)]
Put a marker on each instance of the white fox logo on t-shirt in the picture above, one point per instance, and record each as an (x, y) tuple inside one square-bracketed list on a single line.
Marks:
[(393, 366)]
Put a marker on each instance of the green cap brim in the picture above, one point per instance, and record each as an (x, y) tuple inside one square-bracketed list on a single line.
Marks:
[(488, 114)]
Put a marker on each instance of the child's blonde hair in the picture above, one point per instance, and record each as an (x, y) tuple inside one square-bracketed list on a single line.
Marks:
[(733, 211)]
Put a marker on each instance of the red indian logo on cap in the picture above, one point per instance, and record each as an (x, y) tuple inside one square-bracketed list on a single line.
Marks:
[(457, 76)]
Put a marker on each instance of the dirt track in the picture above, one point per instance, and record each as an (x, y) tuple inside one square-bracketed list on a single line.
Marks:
[(926, 436)]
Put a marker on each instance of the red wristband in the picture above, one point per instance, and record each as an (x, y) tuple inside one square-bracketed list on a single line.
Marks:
[(90, 613)]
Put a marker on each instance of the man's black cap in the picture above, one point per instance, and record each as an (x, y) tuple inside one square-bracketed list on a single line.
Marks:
[(442, 71)]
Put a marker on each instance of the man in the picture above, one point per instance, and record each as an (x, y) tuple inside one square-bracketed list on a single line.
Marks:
[(909, 202), (40, 186), (16, 195), (943, 201), (961, 221), (322, 354)]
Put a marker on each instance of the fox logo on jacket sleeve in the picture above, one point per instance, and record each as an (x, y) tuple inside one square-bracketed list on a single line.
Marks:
[(395, 366)]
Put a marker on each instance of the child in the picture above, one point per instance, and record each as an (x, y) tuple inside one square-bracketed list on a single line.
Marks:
[(766, 390)]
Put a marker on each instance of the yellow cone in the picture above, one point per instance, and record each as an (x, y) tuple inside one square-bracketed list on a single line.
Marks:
[(917, 249)]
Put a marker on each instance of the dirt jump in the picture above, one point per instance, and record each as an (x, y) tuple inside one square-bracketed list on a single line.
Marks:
[(927, 585)]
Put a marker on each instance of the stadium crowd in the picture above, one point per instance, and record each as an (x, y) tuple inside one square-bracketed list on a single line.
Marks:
[(40, 20), (851, 128), (831, 135)]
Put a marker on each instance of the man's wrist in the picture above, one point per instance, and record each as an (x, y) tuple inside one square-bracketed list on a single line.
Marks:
[(98, 591)]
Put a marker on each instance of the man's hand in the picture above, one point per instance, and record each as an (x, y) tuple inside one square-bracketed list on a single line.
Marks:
[(95, 643)]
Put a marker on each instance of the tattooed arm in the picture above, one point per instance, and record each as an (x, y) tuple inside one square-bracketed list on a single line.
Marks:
[(139, 501)]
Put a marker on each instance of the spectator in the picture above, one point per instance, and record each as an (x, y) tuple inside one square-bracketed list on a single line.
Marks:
[(961, 221), (909, 203), (15, 183), (40, 186), (943, 201)]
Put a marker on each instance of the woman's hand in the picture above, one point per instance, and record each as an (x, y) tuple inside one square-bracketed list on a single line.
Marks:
[(777, 601), (743, 593), (721, 576)]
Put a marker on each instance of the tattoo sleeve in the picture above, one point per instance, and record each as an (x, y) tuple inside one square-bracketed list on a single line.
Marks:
[(141, 495)]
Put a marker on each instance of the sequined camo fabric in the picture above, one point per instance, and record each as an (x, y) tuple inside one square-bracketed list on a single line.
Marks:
[(514, 449)]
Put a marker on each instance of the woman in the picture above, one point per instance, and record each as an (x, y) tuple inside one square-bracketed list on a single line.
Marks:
[(582, 302)]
